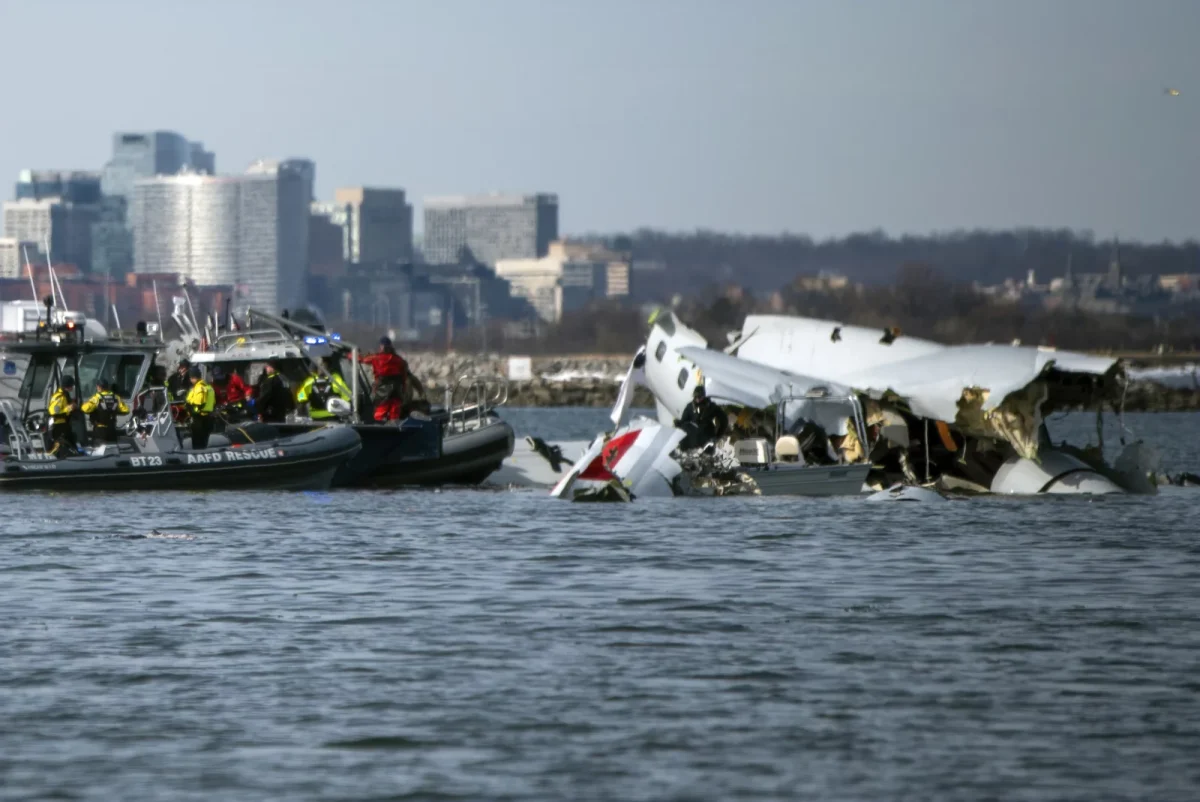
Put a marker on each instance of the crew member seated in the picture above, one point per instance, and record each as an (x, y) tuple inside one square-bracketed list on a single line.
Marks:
[(103, 409), (702, 420), (317, 391), (60, 408)]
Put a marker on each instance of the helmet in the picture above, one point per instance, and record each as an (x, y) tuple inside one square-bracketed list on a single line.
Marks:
[(194, 372), (338, 406), (103, 384), (68, 381), (386, 342)]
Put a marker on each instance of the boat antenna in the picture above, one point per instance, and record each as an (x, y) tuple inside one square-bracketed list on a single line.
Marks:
[(116, 316), (191, 310), (59, 301), (158, 311), (32, 283)]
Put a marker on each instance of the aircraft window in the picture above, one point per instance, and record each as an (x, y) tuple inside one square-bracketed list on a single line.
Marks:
[(660, 350), (683, 377)]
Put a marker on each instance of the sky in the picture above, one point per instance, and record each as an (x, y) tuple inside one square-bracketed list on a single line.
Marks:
[(755, 116)]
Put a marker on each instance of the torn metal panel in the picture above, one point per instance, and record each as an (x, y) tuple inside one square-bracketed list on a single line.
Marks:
[(986, 390), (637, 459)]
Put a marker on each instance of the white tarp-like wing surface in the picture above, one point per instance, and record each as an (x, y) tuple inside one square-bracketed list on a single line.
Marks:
[(730, 378), (930, 376), (750, 383), (933, 384)]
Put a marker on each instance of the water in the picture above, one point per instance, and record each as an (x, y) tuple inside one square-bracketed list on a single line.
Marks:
[(501, 645)]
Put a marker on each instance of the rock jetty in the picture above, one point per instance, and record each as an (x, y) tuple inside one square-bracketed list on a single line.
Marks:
[(593, 381), (554, 381)]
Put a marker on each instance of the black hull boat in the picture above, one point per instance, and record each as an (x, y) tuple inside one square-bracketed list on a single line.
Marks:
[(420, 453), (307, 461)]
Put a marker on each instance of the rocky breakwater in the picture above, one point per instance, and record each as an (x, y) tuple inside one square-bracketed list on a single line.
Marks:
[(549, 381)]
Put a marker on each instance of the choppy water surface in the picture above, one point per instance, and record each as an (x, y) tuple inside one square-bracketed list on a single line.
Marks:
[(501, 645)]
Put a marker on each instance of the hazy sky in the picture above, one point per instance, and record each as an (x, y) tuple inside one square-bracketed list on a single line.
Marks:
[(751, 116)]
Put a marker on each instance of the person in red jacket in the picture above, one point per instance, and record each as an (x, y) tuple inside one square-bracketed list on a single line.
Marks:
[(231, 392), (390, 371)]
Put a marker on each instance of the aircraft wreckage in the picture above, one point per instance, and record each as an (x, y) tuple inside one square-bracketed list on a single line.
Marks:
[(820, 408)]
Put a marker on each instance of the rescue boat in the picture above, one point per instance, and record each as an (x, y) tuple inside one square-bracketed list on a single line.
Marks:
[(150, 452)]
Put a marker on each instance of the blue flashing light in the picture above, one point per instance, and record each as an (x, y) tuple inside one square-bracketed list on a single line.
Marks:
[(313, 340), (335, 337)]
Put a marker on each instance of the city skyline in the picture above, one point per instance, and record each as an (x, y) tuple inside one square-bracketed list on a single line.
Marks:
[(817, 118)]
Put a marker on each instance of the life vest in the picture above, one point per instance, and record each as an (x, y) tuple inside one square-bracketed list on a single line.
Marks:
[(59, 406), (103, 408), (201, 399)]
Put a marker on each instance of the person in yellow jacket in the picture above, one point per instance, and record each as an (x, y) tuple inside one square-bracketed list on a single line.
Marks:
[(201, 401), (60, 408), (103, 409), (318, 389)]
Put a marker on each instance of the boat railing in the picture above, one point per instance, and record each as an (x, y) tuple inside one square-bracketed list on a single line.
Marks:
[(23, 443), (472, 397), (821, 395), (241, 339)]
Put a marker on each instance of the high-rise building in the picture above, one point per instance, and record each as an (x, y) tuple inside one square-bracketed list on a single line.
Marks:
[(67, 227), (61, 205), (489, 227), (13, 256), (72, 186), (144, 155), (112, 240), (248, 231), (379, 224), (138, 155)]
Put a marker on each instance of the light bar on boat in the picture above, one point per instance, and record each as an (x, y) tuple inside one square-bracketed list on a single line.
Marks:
[(311, 340)]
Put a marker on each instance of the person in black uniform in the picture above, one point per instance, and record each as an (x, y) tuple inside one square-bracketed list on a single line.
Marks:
[(702, 420), (180, 384), (103, 409), (272, 400)]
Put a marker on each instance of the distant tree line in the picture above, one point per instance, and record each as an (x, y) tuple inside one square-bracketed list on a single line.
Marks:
[(765, 263)]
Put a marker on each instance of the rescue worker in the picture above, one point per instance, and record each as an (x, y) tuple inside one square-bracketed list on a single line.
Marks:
[(272, 401), (201, 400), (60, 408), (390, 371), (180, 384), (317, 391), (703, 421), (231, 393), (103, 409)]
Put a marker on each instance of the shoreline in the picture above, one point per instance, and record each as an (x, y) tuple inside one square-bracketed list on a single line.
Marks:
[(594, 380)]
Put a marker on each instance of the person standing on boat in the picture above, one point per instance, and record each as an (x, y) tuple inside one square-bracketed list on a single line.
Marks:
[(272, 401), (60, 408), (201, 400), (103, 409), (180, 383), (390, 371)]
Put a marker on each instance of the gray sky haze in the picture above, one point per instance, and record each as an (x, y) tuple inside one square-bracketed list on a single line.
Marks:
[(756, 116)]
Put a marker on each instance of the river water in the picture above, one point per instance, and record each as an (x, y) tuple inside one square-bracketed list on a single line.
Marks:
[(493, 645)]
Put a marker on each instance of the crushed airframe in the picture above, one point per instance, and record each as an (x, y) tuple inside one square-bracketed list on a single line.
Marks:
[(951, 419)]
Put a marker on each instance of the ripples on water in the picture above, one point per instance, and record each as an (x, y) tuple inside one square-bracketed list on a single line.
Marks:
[(501, 645)]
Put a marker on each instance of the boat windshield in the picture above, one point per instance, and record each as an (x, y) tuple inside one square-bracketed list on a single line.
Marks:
[(120, 369), (37, 377)]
